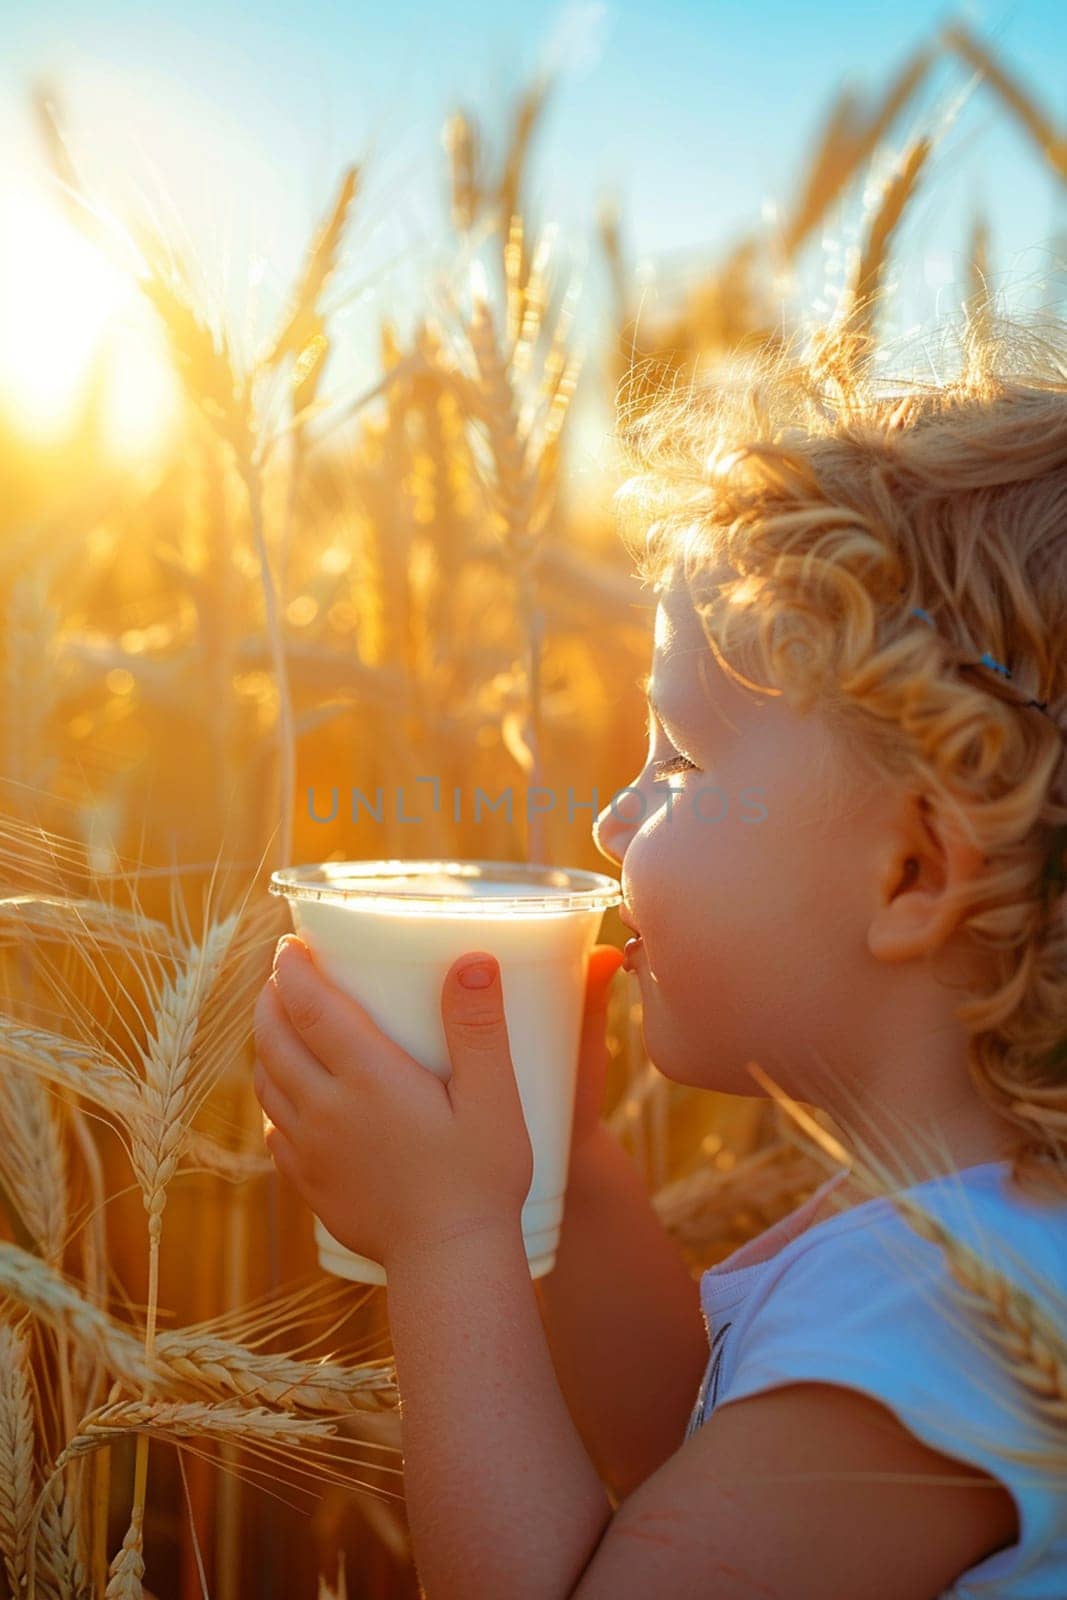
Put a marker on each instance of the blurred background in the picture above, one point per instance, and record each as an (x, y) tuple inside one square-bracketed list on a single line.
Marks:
[(695, 123), (317, 329)]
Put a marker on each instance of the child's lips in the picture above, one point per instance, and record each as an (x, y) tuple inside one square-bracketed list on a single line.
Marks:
[(632, 945)]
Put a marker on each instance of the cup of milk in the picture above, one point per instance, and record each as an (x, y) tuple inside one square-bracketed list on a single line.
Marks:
[(387, 932)]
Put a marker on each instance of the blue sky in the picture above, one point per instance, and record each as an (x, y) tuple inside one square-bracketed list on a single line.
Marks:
[(694, 117)]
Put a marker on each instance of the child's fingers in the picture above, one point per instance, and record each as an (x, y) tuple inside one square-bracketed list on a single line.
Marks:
[(291, 1067), (275, 1102), (333, 1026), (282, 1153)]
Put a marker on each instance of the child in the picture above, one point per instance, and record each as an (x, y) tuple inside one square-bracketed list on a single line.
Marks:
[(853, 888)]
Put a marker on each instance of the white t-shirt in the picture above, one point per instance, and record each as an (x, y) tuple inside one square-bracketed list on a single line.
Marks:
[(860, 1299)]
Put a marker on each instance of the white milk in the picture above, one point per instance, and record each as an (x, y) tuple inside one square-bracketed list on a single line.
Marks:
[(391, 953)]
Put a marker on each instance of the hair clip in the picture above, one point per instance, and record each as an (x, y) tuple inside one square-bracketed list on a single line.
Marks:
[(996, 666), (1054, 875)]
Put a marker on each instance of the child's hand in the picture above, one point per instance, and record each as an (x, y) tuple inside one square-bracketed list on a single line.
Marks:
[(383, 1152), (604, 962)]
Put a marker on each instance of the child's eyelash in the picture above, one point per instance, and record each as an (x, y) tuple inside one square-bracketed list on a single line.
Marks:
[(672, 764)]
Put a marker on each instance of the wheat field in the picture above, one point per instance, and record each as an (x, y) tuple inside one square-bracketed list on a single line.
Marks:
[(188, 1405)]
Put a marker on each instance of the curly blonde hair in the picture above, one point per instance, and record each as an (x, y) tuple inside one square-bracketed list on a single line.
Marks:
[(839, 503)]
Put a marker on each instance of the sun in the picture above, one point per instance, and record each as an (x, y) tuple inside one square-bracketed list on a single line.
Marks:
[(66, 312)]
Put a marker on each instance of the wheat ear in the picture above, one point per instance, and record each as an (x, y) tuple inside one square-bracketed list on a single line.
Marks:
[(1006, 1314), (33, 1158), (96, 1077), (17, 1436), (1051, 143), (1037, 1350), (169, 1076), (194, 1357), (56, 1568), (862, 293), (187, 1419)]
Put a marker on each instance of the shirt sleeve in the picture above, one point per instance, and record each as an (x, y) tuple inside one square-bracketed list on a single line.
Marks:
[(871, 1307)]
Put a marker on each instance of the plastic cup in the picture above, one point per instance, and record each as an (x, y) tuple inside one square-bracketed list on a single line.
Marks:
[(387, 932)]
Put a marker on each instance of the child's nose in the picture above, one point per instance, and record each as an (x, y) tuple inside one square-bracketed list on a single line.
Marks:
[(611, 834)]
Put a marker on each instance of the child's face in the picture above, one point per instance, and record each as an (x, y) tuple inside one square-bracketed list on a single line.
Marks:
[(752, 897)]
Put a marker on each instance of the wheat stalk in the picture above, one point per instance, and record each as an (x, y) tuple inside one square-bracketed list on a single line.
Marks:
[(55, 1538), (203, 362), (862, 291), (302, 320), (1053, 145), (254, 1427), (187, 1419), (210, 379), (847, 141), (40, 1289), (251, 1427), (17, 1436), (37, 914), (170, 1079), (303, 336), (1036, 1350), (708, 1207), (277, 1379), (69, 1064), (126, 1569), (528, 112), (522, 463), (201, 1152), (1010, 1320), (169, 1083), (150, 1110), (57, 1548), (460, 138), (191, 1356), (977, 299), (250, 472), (494, 402), (32, 1158)]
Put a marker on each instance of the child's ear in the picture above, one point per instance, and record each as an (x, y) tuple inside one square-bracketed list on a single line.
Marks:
[(924, 871)]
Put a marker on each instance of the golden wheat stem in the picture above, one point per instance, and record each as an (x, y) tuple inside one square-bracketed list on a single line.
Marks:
[(167, 1089), (127, 1567), (286, 743), (101, 1502), (231, 1500), (285, 540), (1042, 130), (65, 1393), (140, 1478)]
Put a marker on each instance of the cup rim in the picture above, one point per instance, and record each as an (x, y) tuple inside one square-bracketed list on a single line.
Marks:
[(573, 888)]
